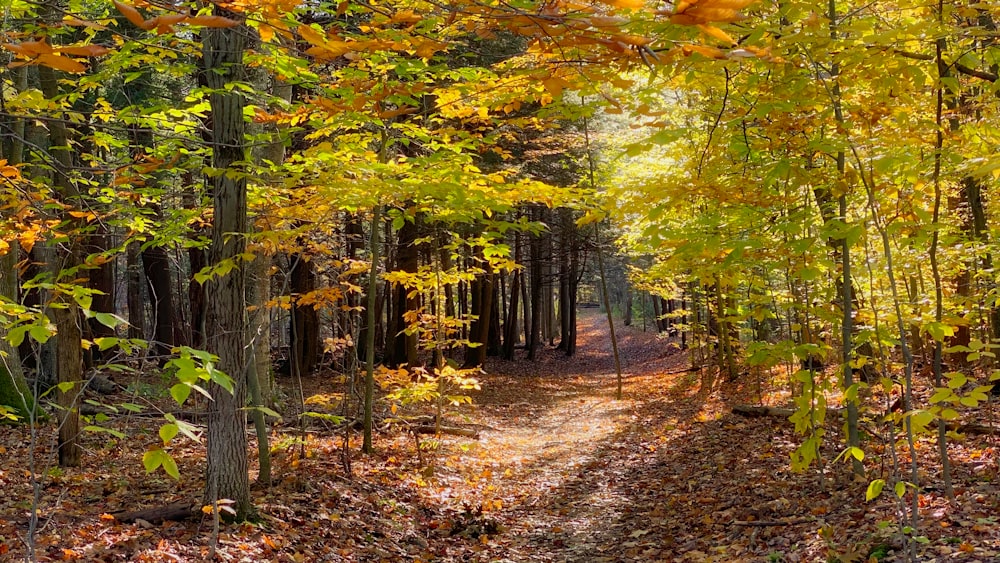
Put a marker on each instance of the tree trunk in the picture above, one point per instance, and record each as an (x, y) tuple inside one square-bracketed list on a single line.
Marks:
[(69, 362), (303, 330), (156, 268), (510, 328), (227, 465), (14, 390), (404, 347), (535, 267)]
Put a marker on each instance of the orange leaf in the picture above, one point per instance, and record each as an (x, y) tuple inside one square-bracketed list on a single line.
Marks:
[(685, 19), (107, 517), (166, 23), (426, 49), (312, 36), (632, 4), (717, 33), (84, 50), (29, 48), (710, 52), (708, 14), (212, 21), (406, 17), (131, 14), (19, 49), (726, 4), (60, 63), (76, 22)]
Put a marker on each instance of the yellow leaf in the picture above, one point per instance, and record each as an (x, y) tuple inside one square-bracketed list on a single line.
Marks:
[(554, 85), (266, 33), (717, 33)]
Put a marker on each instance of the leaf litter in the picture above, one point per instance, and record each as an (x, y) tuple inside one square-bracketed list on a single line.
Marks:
[(561, 472)]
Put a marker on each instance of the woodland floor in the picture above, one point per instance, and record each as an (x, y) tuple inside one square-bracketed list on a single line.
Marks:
[(561, 472)]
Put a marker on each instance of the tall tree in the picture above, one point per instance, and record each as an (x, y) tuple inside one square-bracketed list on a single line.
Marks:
[(226, 471)]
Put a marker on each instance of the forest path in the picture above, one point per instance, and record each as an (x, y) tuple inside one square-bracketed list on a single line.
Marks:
[(572, 475)]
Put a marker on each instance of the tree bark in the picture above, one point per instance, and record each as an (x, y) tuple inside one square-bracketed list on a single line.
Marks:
[(69, 361), (303, 331), (226, 469)]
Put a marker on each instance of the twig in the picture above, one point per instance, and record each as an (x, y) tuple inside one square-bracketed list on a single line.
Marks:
[(764, 523)]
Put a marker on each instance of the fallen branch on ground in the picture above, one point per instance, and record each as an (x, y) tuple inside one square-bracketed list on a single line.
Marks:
[(765, 523), (780, 412), (174, 512), (451, 430)]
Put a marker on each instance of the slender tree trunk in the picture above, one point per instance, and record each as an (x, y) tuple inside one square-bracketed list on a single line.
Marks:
[(14, 389), (534, 335), (69, 362)]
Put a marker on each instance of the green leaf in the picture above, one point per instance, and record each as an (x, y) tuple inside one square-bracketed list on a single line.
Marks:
[(180, 392), (40, 333), (221, 379), (942, 394), (152, 459), (856, 453), (105, 342), (957, 381), (900, 489), (16, 334), (939, 331), (969, 401), (170, 466), (66, 386), (109, 320), (920, 419), (188, 430), (874, 489), (268, 412), (132, 407), (113, 432), (167, 432)]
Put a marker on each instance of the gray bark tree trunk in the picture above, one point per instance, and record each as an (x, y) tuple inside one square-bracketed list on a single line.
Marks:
[(226, 470)]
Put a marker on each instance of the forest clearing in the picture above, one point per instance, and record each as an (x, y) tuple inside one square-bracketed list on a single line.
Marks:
[(499, 280)]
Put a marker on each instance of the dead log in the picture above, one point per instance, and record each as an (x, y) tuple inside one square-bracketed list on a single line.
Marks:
[(176, 512), (974, 428), (450, 430), (753, 411), (781, 412)]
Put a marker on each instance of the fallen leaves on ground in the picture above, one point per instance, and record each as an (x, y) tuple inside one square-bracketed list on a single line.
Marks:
[(562, 472)]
